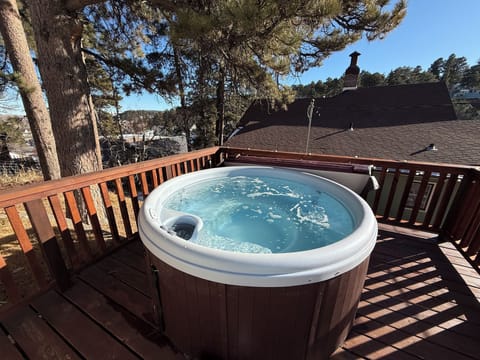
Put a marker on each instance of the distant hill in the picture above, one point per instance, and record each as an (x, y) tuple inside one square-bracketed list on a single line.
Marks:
[(137, 121), (130, 115)]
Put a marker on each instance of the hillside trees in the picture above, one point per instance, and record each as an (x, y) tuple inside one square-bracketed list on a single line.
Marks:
[(24, 76), (329, 87), (409, 75)]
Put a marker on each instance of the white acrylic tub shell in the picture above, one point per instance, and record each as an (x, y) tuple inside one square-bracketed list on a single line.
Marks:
[(260, 270)]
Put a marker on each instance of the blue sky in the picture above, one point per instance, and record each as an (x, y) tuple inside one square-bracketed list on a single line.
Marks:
[(430, 30)]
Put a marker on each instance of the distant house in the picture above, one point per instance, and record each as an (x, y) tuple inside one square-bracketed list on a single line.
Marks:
[(407, 122), (465, 94)]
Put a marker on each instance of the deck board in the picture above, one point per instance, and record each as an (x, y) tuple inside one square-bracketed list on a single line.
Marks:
[(8, 349), (421, 300), (138, 336), (130, 258), (118, 291), (36, 339), (89, 339)]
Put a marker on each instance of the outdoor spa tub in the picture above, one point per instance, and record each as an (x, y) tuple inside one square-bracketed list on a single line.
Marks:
[(256, 262)]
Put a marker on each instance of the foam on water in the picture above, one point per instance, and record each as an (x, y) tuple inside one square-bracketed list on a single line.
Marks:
[(262, 215)]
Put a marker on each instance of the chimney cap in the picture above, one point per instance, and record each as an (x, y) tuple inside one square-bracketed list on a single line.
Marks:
[(350, 79)]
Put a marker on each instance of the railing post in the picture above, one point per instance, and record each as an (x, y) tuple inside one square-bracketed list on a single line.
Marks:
[(459, 216), (219, 157), (48, 242)]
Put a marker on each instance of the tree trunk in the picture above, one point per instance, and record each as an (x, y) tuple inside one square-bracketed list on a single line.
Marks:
[(16, 44), (220, 106), (183, 101), (58, 35)]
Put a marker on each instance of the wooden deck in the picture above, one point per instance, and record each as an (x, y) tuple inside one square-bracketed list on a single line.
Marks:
[(421, 300)]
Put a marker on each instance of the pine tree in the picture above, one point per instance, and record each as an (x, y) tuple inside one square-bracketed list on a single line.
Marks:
[(26, 80), (450, 71), (368, 79), (256, 43)]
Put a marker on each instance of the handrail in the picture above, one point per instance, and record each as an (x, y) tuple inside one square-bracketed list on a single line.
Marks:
[(33, 191), (302, 163), (233, 151), (441, 198)]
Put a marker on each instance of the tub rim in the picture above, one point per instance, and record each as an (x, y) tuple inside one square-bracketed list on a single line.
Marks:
[(260, 270)]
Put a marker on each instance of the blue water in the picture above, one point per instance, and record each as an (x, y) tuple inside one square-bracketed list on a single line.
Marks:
[(262, 214)]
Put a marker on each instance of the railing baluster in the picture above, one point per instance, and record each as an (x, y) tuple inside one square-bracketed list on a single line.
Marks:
[(406, 192), (447, 196), (160, 175), (92, 214), (178, 169), (48, 242), (174, 170), (26, 245), (472, 236), (381, 182), (6, 278), (143, 180), (154, 178), (109, 211), (77, 223), (434, 201), (419, 198), (393, 189), (168, 172), (133, 195), (64, 231), (123, 208)]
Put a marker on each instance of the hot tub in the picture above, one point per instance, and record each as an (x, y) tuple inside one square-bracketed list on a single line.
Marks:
[(271, 269)]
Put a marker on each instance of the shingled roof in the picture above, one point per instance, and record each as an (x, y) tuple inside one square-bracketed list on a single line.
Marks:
[(389, 122)]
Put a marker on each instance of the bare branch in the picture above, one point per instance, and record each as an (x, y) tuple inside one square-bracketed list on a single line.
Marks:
[(74, 5)]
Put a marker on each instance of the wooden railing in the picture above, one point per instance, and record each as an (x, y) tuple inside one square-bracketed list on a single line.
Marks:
[(49, 238), (462, 225)]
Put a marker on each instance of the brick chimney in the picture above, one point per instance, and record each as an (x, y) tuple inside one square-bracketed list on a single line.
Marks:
[(350, 80)]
